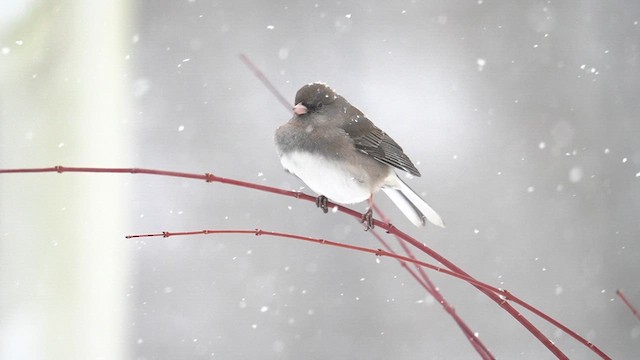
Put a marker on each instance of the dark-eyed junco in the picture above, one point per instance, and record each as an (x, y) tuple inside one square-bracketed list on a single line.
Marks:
[(339, 153)]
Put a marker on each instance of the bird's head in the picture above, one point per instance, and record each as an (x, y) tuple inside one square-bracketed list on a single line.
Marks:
[(313, 98)]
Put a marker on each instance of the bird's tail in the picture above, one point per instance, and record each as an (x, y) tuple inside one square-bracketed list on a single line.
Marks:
[(412, 205)]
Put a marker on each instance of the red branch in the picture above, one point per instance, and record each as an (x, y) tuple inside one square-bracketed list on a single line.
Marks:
[(426, 282), (265, 81), (491, 292), (504, 295), (633, 309), (376, 252)]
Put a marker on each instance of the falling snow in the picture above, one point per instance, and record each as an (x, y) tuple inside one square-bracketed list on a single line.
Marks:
[(575, 174), (481, 63), (534, 150)]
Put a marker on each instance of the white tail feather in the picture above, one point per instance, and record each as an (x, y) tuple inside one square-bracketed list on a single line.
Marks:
[(410, 203)]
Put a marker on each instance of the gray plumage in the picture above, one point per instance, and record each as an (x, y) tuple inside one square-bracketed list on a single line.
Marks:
[(341, 154)]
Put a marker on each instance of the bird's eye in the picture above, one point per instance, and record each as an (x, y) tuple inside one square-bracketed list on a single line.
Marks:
[(319, 106)]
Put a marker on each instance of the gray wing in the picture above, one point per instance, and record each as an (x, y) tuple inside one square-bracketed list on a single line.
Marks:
[(374, 142)]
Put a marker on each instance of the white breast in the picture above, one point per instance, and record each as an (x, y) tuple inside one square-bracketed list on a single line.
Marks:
[(330, 178)]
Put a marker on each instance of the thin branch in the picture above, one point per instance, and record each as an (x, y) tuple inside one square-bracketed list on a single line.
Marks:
[(497, 299), (426, 282), (633, 309), (453, 269), (265, 82), (504, 295), (376, 252)]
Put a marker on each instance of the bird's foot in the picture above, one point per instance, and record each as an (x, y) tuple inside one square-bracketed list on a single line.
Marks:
[(321, 202), (367, 220)]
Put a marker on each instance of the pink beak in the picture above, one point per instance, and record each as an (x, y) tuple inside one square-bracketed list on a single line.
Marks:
[(300, 109)]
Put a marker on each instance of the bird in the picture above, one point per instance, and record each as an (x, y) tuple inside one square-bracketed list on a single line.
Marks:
[(342, 155)]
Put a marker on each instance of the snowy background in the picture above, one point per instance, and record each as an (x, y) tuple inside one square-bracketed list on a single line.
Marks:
[(523, 118)]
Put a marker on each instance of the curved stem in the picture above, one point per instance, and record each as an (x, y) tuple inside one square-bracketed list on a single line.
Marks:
[(454, 270)]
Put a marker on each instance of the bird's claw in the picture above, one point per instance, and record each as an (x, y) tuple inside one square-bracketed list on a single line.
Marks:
[(321, 202), (367, 220)]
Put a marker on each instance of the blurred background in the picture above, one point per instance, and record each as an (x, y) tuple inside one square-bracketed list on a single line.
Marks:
[(523, 118)]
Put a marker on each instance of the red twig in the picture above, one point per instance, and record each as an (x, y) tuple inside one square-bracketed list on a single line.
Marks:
[(208, 177), (265, 82), (501, 301), (504, 295), (376, 252), (426, 282), (633, 309), (454, 270)]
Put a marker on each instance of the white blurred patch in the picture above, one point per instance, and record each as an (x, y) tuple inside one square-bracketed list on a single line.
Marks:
[(19, 331), (575, 174), (558, 333), (283, 53), (140, 87), (481, 63)]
